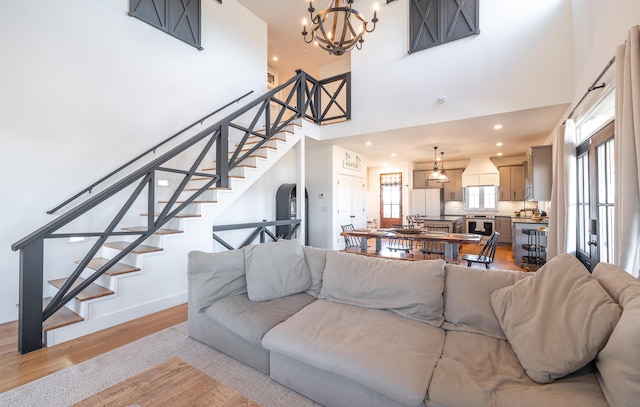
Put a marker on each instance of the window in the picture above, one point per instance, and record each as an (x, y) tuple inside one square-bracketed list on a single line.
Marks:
[(178, 18), (435, 22), (481, 197)]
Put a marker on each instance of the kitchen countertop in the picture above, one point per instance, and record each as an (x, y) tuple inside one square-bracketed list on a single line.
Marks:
[(517, 219)]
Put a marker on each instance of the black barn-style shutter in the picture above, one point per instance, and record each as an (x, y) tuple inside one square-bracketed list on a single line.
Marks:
[(434, 22), (178, 18)]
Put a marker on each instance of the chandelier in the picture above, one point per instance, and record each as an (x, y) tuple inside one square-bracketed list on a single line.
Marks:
[(333, 28)]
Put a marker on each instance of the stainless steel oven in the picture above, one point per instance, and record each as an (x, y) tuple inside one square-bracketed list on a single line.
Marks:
[(480, 224)]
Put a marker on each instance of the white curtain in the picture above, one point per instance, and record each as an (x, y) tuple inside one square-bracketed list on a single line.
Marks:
[(627, 142), (562, 214)]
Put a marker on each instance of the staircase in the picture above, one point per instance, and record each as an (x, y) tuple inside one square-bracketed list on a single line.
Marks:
[(138, 231), (105, 302)]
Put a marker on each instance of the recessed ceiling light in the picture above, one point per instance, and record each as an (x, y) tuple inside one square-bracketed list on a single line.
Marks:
[(368, 143), (275, 58), (386, 164), (497, 126), (393, 154), (499, 144), (499, 154)]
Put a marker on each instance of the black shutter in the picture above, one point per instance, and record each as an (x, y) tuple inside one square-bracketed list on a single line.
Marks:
[(178, 18), (434, 22)]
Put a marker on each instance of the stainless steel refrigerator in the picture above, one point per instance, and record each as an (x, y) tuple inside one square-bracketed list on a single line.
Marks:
[(427, 202)]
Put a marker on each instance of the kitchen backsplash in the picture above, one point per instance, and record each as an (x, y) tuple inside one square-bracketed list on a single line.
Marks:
[(505, 208)]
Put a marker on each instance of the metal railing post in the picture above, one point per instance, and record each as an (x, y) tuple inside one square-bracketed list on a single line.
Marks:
[(222, 156), (302, 80), (30, 296)]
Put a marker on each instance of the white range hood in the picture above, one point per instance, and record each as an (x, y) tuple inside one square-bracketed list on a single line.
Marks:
[(480, 172)]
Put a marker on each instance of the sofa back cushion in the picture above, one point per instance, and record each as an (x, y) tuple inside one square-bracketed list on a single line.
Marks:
[(316, 259), (213, 276), (411, 289), (276, 269), (618, 362), (467, 298), (557, 321)]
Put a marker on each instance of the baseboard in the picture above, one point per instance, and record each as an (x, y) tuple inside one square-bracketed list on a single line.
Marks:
[(96, 324), (9, 316)]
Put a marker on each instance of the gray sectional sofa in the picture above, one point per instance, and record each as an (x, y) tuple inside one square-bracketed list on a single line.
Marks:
[(350, 330)]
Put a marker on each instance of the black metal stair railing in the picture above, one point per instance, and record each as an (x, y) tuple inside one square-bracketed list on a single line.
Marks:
[(248, 129), (260, 230)]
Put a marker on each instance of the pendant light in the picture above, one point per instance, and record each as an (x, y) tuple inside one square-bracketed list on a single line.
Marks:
[(443, 179), (435, 174)]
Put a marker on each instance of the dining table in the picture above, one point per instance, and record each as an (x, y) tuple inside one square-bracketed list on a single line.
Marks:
[(451, 241)]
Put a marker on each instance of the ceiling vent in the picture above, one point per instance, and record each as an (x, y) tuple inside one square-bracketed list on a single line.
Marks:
[(480, 172)]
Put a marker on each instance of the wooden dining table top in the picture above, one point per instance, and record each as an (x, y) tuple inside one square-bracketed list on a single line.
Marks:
[(416, 234)]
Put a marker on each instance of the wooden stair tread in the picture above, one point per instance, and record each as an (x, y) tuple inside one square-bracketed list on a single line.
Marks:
[(160, 231), (63, 317), (116, 269), (89, 293), (179, 216), (239, 165), (195, 202), (208, 178), (140, 249), (208, 189)]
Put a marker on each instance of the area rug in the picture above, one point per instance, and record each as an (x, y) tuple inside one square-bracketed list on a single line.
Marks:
[(76, 383), (172, 383)]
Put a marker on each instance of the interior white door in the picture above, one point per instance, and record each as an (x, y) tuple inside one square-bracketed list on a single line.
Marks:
[(351, 199)]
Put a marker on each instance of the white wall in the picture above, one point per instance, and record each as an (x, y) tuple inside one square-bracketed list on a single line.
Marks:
[(85, 87), (520, 60), (598, 28), (259, 202)]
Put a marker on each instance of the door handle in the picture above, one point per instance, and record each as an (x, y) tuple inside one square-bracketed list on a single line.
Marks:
[(352, 216), (593, 242)]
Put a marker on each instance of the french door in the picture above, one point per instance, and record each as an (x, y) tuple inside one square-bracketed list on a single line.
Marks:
[(390, 199), (595, 203)]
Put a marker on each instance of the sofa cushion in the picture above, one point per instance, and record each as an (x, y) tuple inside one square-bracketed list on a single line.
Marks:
[(411, 289), (380, 350), (467, 298), (558, 320), (251, 320), (316, 259), (618, 361), (478, 370), (215, 275), (276, 269)]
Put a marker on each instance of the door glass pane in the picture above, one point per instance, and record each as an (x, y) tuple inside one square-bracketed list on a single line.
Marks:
[(583, 204), (605, 199)]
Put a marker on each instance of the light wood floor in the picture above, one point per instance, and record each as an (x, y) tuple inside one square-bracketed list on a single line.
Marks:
[(16, 369)]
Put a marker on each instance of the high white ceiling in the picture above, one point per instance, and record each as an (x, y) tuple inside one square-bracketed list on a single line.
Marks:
[(460, 139)]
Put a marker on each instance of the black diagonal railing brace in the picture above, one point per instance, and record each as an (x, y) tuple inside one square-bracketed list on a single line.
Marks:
[(247, 129)]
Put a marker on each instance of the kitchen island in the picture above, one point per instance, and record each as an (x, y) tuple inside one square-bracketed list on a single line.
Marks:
[(454, 222), (529, 244)]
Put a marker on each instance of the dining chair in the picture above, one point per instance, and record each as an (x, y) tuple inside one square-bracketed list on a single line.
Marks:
[(401, 243), (350, 241), (434, 247), (486, 255)]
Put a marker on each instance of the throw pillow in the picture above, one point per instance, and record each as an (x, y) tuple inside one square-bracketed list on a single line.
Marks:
[(618, 361), (276, 269), (557, 321), (467, 298), (213, 276), (412, 289), (316, 259)]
